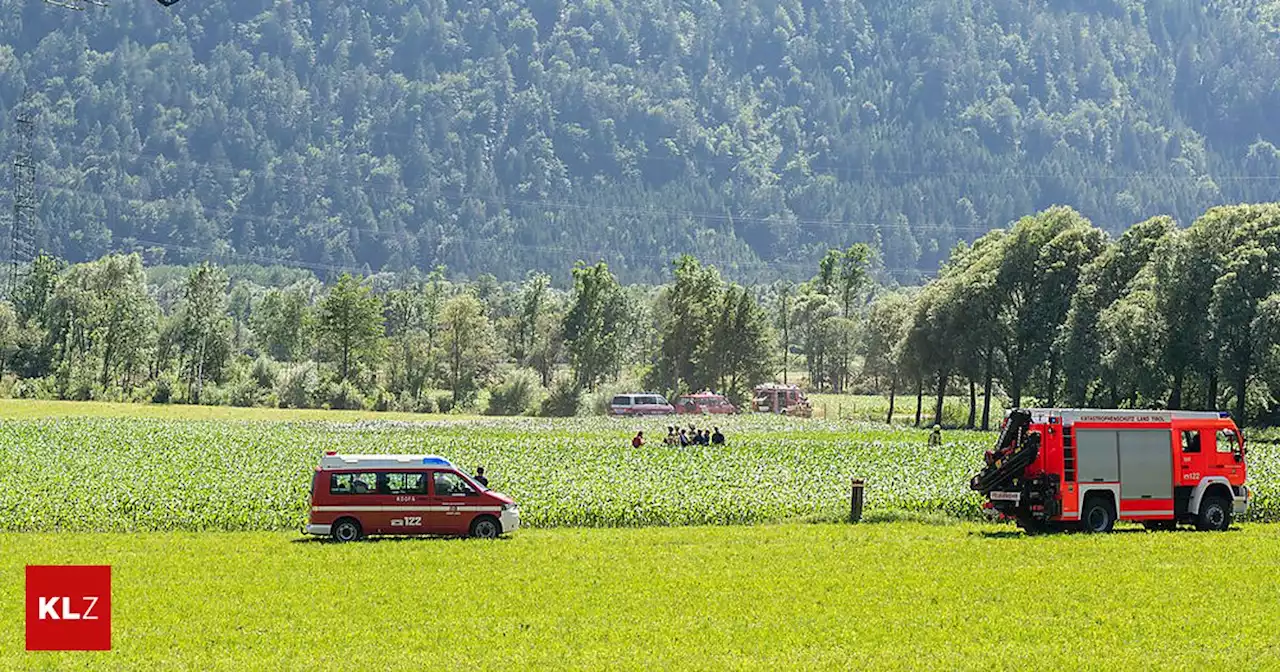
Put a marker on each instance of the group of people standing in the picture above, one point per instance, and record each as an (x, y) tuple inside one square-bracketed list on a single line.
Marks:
[(679, 436)]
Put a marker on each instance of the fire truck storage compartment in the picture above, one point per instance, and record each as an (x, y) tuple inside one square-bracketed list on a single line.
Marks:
[(1141, 460)]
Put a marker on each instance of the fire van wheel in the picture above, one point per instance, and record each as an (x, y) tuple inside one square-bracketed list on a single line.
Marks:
[(1215, 515), (1097, 516), (346, 530), (485, 527)]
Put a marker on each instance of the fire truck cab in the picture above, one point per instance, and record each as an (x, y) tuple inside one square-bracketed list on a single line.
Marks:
[(353, 496), (1056, 468)]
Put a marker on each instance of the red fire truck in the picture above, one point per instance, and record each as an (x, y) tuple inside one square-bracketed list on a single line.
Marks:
[(1058, 468)]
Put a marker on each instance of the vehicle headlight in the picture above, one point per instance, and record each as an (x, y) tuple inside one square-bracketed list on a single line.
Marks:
[(509, 507)]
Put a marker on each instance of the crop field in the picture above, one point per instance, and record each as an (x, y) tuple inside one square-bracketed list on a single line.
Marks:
[(116, 474), (908, 596)]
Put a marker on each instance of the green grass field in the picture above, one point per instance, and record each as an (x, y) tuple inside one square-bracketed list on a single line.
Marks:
[(899, 595), (195, 509)]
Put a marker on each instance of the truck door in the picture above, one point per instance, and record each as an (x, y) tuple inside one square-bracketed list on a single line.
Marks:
[(1223, 458), (408, 493), (451, 499), (355, 494)]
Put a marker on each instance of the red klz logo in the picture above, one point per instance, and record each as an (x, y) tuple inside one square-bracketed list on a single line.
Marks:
[(68, 607)]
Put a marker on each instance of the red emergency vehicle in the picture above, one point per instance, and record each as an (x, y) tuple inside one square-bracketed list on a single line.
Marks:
[(357, 495), (1054, 468)]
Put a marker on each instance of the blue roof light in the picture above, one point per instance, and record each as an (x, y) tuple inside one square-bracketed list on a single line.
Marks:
[(436, 461)]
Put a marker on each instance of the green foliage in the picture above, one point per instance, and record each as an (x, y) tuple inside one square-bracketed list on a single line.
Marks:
[(467, 341), (596, 325), (298, 386), (350, 324), (516, 395), (202, 328), (489, 136), (563, 400), (281, 322)]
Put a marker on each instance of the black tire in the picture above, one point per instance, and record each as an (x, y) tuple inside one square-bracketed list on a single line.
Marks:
[(1098, 516), (485, 527), (1215, 514), (346, 529), (1160, 525)]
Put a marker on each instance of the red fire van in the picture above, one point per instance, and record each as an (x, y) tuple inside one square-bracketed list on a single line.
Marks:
[(357, 495)]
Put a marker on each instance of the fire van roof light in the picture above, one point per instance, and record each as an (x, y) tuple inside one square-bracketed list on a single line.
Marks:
[(330, 452), (1224, 414), (436, 461)]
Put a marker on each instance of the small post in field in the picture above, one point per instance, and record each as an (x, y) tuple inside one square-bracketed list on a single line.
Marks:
[(856, 500)]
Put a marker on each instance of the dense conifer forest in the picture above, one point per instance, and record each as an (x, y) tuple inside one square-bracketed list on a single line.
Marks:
[(501, 137)]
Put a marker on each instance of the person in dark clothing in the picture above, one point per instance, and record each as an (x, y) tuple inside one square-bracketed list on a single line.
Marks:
[(703, 439), (638, 440), (480, 477), (717, 438), (684, 438)]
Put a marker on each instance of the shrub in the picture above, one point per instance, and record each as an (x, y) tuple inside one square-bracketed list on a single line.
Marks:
[(23, 389), (298, 385), (245, 394), (563, 400), (515, 395), (163, 393), (346, 396), (444, 402), (425, 404), (384, 401), (264, 373), (213, 394)]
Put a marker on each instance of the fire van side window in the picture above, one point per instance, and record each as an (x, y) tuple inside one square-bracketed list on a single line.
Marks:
[(1191, 441), (450, 485), (353, 484), (1226, 441), (407, 483)]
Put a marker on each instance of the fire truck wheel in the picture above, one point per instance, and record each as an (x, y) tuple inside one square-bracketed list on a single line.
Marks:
[(1215, 515), (1098, 515), (485, 527), (346, 529)]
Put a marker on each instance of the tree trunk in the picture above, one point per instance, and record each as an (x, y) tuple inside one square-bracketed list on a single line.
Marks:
[(942, 392), (1053, 379), (106, 360), (986, 392), (973, 404), (893, 393), (1242, 388), (1211, 397), (1175, 397), (919, 398)]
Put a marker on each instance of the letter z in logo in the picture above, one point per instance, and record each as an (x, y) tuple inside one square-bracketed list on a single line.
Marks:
[(68, 607)]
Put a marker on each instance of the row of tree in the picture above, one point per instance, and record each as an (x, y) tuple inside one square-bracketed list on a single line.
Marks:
[(1050, 307), (105, 329), (1049, 310)]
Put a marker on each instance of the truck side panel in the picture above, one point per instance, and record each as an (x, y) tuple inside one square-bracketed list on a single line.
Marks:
[(1146, 464), (1096, 456)]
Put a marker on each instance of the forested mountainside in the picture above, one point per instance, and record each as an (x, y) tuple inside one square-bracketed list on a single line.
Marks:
[(497, 136)]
